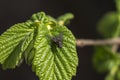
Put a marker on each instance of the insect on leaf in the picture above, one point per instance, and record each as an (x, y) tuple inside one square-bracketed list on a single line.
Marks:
[(44, 43), (55, 58)]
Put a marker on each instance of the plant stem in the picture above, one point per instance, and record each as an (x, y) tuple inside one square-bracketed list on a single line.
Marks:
[(90, 42)]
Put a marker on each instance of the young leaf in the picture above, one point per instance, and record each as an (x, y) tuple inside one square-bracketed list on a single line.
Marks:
[(52, 62), (108, 25), (65, 19), (29, 53), (104, 59), (110, 77), (13, 43), (47, 45), (118, 74)]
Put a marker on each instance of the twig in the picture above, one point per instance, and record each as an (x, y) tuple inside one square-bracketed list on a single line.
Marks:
[(115, 47), (90, 42)]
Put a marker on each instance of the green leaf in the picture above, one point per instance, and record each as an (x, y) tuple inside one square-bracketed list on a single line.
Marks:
[(49, 46), (13, 43), (112, 74), (110, 77), (108, 25), (65, 19), (118, 74), (29, 53), (39, 17), (52, 61), (103, 59)]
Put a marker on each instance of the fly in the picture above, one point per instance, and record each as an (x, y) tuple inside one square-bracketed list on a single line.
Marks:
[(58, 40)]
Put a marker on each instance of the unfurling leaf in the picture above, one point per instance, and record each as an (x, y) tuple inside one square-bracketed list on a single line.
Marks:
[(65, 19)]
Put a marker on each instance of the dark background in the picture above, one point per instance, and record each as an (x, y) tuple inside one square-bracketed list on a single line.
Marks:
[(87, 13)]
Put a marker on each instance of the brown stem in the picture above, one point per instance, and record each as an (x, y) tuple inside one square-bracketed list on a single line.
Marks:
[(115, 47), (90, 42)]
